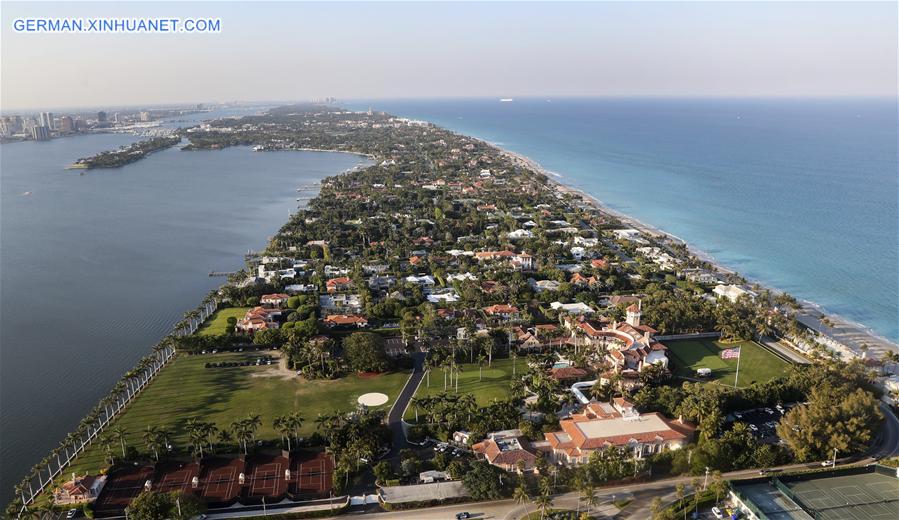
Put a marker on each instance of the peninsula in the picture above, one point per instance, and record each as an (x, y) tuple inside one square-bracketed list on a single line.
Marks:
[(126, 154)]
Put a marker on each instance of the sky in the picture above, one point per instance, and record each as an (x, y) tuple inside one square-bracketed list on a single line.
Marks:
[(295, 51)]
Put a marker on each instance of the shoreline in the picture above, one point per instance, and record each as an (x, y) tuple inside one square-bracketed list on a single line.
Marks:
[(847, 332)]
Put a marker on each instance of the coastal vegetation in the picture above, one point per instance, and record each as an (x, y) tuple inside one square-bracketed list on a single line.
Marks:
[(127, 154)]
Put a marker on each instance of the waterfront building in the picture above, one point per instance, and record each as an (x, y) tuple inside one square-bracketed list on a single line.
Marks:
[(259, 318), (85, 488), (40, 133), (66, 124), (47, 120), (14, 124), (732, 292)]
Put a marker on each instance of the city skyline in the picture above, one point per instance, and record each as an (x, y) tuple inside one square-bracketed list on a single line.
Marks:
[(454, 50)]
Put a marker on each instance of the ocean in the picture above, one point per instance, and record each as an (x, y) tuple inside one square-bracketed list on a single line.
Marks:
[(798, 194), (98, 265)]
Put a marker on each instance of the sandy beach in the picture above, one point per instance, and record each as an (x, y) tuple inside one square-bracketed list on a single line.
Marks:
[(846, 332)]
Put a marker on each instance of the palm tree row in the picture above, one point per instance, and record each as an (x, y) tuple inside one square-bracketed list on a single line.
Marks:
[(445, 408), (200, 433), (244, 430), (90, 427), (193, 318), (100, 416), (289, 426)]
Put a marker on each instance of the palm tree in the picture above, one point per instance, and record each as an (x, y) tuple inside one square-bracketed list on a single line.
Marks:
[(679, 493), (244, 431), (195, 434), (282, 424), (106, 441), (890, 357), (20, 492), (224, 436), (153, 440), (254, 421), (118, 433), (295, 420), (588, 493), (544, 500), (521, 497)]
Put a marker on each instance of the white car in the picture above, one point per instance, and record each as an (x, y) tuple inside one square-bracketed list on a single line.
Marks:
[(717, 512)]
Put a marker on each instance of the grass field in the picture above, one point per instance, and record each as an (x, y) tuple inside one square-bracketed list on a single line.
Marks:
[(219, 320), (186, 389), (494, 385), (756, 364)]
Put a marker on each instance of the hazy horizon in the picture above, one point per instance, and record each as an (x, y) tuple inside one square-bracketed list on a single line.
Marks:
[(298, 51)]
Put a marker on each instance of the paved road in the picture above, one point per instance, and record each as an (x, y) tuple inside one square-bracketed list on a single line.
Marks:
[(395, 417), (889, 436)]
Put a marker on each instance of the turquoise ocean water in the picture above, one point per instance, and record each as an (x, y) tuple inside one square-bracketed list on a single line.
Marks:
[(800, 195)]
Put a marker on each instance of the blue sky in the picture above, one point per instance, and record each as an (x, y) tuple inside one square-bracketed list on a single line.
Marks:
[(280, 51)]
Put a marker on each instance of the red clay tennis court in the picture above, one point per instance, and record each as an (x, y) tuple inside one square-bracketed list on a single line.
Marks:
[(174, 476), (265, 476), (121, 487), (219, 479), (313, 475)]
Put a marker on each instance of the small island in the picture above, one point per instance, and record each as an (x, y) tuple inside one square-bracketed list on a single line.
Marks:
[(127, 154)]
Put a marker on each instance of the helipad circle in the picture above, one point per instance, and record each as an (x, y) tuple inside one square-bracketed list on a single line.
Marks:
[(373, 399)]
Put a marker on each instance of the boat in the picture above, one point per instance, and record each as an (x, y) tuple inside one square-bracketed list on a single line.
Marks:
[(506, 100), (258, 148)]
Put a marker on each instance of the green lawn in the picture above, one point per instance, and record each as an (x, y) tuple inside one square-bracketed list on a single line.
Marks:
[(756, 363), (186, 389), (495, 383), (219, 320)]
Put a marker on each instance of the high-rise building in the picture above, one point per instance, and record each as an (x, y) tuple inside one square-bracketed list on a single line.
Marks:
[(40, 133), (115, 117), (144, 116), (47, 120), (101, 117), (66, 124), (14, 124)]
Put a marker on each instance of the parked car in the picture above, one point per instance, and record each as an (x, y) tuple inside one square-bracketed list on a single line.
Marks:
[(463, 516), (717, 512)]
